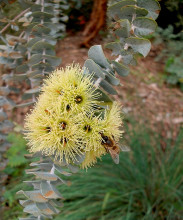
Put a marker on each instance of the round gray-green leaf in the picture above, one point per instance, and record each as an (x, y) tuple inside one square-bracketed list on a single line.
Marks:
[(140, 45), (121, 69), (107, 87), (128, 12), (116, 47), (97, 55), (152, 6), (144, 26), (94, 68), (115, 9)]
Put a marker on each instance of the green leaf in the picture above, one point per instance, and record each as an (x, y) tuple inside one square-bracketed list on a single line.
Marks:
[(6, 60), (108, 88), (50, 39), (32, 74), (32, 209), (79, 159), (73, 168), (38, 16), (124, 31), (24, 203), (25, 104), (111, 79), (115, 9), (45, 175), (35, 58), (121, 69), (128, 57), (49, 191), (53, 27), (35, 7), (8, 103), (144, 26), (46, 209), (97, 55), (44, 166), (152, 6), (33, 41), (116, 47), (103, 96), (52, 60), (94, 68), (32, 91), (128, 12), (22, 68), (22, 49), (41, 46), (40, 30), (29, 27), (139, 45), (62, 171), (43, 67)]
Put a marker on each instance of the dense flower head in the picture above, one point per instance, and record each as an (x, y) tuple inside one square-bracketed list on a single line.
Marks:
[(72, 87), (112, 121), (64, 123)]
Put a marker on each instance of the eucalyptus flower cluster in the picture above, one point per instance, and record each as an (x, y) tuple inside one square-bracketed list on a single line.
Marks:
[(66, 123)]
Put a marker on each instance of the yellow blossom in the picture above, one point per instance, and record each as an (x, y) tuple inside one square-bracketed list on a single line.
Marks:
[(54, 132), (92, 128), (71, 87), (64, 124), (112, 122), (91, 158)]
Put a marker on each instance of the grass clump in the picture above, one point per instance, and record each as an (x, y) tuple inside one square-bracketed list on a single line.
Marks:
[(146, 185)]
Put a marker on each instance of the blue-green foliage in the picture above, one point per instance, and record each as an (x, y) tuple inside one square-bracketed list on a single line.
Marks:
[(131, 22), (173, 53), (147, 184)]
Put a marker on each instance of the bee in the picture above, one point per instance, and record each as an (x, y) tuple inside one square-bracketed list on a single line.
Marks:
[(112, 148)]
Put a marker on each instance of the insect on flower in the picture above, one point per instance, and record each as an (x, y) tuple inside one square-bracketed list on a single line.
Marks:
[(111, 147)]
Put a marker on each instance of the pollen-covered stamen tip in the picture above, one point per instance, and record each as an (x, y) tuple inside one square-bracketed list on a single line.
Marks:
[(64, 141), (87, 128), (68, 107), (47, 112), (78, 99), (48, 129), (62, 125), (60, 92)]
